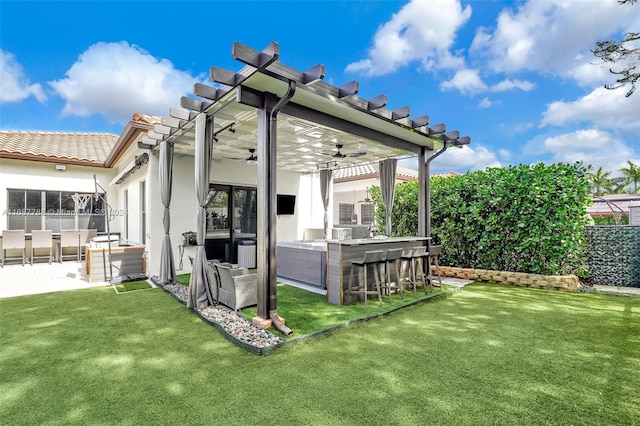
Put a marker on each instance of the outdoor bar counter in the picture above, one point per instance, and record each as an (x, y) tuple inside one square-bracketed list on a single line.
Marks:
[(341, 252)]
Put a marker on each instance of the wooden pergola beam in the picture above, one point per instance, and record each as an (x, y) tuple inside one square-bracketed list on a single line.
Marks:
[(378, 102), (254, 58), (349, 89)]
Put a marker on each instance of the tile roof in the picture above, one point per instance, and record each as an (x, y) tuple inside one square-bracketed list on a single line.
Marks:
[(92, 148), (367, 171)]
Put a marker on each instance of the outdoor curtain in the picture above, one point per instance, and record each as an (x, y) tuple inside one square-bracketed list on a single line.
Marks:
[(199, 293), (387, 187), (325, 184), (167, 266)]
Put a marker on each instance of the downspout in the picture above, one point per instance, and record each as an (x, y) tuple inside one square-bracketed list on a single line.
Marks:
[(273, 291), (428, 186)]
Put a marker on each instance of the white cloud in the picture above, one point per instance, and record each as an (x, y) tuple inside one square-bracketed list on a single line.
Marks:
[(592, 147), (118, 79), (13, 82), (504, 154), (602, 107), (466, 81), (469, 157), (423, 30), (504, 85), (590, 73), (523, 127), (485, 103), (551, 37)]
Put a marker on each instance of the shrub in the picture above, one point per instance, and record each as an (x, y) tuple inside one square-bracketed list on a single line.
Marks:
[(519, 218)]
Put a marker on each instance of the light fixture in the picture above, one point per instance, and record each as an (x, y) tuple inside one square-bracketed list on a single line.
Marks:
[(61, 167)]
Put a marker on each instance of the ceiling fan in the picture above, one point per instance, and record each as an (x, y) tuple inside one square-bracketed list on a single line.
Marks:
[(339, 154), (366, 199), (252, 159)]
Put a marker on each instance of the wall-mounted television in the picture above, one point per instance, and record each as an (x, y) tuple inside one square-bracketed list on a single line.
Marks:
[(286, 204)]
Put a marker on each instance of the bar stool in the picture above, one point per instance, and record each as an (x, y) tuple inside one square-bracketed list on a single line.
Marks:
[(393, 258), (434, 252), (414, 258), (371, 258)]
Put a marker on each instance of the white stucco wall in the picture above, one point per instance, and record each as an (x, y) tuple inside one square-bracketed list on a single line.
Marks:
[(308, 212), (310, 207), (350, 193)]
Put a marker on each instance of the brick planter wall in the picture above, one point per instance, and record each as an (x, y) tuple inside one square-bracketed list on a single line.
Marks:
[(522, 279)]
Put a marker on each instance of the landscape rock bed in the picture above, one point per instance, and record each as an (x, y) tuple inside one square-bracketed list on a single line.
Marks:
[(234, 327)]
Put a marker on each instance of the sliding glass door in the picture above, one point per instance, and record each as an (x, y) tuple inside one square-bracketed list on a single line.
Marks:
[(231, 217)]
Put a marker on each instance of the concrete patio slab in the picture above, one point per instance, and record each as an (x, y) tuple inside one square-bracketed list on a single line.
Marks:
[(622, 291), (18, 280)]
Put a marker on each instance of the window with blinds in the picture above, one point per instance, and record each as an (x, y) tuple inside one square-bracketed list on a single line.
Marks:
[(345, 213), (366, 213)]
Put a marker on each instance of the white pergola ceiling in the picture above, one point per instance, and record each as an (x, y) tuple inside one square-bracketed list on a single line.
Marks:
[(302, 146), (306, 134)]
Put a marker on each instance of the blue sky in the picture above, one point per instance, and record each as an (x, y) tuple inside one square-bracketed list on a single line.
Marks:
[(518, 77)]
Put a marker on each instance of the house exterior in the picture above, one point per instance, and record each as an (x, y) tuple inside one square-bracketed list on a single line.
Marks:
[(350, 193), (40, 172), (612, 205), (209, 175)]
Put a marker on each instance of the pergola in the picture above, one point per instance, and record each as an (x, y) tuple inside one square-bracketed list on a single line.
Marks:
[(243, 113)]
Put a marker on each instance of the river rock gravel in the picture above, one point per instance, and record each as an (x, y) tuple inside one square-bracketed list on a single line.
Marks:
[(235, 325)]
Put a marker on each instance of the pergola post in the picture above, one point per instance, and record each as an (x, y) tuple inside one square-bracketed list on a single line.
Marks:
[(267, 220)]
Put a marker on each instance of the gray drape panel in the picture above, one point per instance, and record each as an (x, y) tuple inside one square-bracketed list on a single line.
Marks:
[(167, 265), (199, 292), (325, 185), (387, 186)]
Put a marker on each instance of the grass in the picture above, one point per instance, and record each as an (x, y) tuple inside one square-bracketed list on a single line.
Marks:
[(486, 355), (306, 312), (132, 286), (183, 279)]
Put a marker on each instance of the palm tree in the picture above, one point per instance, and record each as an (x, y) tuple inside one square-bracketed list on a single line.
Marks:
[(632, 175), (618, 185), (600, 181)]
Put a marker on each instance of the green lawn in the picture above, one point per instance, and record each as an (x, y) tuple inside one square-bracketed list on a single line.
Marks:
[(486, 355), (306, 312)]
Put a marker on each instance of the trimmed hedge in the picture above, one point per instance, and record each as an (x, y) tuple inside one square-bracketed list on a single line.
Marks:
[(519, 218)]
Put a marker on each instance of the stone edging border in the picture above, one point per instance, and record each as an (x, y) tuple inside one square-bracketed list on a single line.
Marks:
[(522, 279)]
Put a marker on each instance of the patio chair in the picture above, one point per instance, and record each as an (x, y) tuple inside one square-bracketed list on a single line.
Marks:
[(13, 240), (41, 239), (69, 238), (212, 275), (236, 290)]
